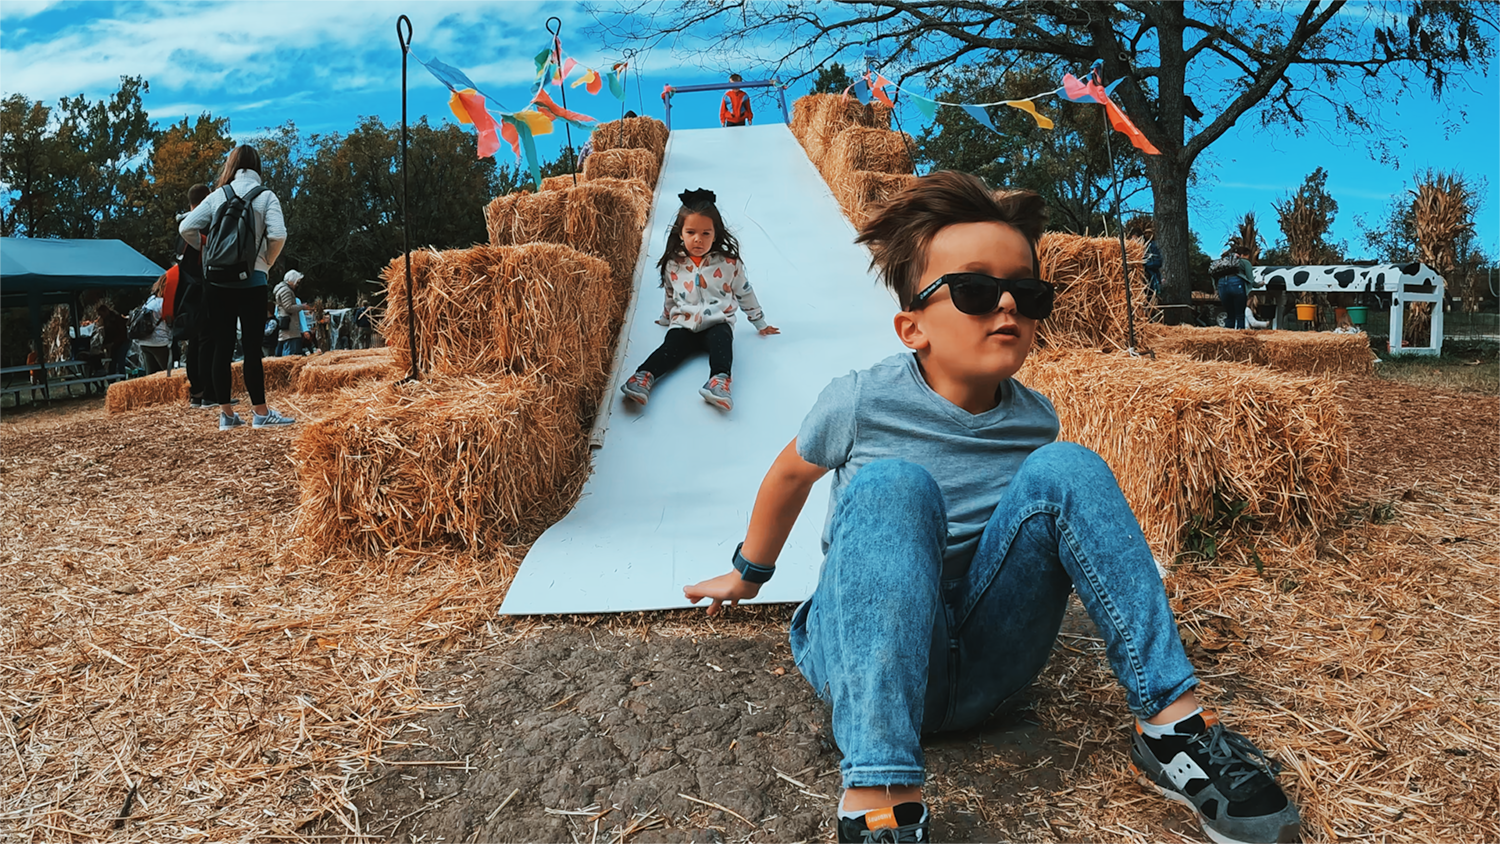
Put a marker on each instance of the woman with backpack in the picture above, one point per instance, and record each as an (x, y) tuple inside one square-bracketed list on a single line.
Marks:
[(245, 233), (1232, 272), (155, 345)]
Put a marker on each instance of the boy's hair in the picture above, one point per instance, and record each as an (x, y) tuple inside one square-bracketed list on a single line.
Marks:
[(197, 193), (697, 202), (735, 77), (900, 232)]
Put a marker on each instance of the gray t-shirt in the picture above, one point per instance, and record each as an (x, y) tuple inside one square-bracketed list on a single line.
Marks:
[(888, 412)]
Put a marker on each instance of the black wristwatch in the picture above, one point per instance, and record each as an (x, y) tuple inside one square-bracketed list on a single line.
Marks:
[(750, 572)]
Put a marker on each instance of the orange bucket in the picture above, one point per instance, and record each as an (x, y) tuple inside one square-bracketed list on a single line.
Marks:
[(1307, 313)]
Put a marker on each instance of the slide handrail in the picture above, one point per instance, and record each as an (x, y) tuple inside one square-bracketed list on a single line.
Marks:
[(667, 92)]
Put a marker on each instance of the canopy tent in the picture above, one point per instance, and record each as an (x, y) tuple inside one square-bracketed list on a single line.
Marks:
[(41, 271)]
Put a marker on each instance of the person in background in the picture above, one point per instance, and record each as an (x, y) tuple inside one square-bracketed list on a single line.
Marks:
[(288, 311), (1234, 291), (734, 109), (190, 312), (116, 337), (154, 349), (234, 303)]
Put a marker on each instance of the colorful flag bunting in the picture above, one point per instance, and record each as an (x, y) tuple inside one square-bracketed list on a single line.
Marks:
[(617, 81), (978, 113), (1030, 108), (591, 79), (927, 107)]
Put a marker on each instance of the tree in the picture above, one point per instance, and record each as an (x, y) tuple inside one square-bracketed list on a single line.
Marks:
[(27, 150), (1066, 165), (833, 79), (1206, 63), (184, 154)]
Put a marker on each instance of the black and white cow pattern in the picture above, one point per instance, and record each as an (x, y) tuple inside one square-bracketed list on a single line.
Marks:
[(1380, 278)]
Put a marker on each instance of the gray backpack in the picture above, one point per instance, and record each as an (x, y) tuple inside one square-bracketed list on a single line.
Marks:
[(229, 255)]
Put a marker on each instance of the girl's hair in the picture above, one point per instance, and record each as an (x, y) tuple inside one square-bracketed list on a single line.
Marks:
[(160, 286), (698, 201), (243, 157)]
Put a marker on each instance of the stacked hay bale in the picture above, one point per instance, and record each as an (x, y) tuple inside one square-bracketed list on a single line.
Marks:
[(516, 341), (453, 458), (346, 368), (1189, 440), (148, 391), (1296, 352), (861, 159), (1090, 311)]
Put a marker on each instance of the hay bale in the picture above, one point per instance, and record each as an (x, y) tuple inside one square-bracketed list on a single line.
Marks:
[(632, 133), (603, 218), (147, 391), (622, 164), (1221, 344), (1090, 310), (281, 373), (561, 182), (1316, 353), (1297, 352), (538, 308), (862, 148), (860, 194), (1185, 437), (475, 462), (329, 371), (830, 114)]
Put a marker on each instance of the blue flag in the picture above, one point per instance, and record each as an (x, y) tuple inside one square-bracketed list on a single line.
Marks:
[(862, 91), (978, 113), (449, 75)]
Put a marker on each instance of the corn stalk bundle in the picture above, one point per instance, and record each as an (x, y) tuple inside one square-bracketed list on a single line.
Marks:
[(1247, 239), (1443, 210), (1304, 228), (1185, 438), (55, 335), (477, 462)]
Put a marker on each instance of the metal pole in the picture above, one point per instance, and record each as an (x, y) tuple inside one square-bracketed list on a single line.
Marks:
[(411, 315), (1120, 223), (562, 91)]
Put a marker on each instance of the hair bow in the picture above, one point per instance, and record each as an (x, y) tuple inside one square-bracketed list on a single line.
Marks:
[(697, 198)]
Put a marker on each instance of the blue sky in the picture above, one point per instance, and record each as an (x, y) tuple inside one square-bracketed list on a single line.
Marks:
[(324, 64)]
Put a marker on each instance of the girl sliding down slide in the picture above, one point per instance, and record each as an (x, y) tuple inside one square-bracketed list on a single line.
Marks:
[(704, 283)]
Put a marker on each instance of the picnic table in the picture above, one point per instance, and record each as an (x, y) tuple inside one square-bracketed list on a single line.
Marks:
[(73, 373)]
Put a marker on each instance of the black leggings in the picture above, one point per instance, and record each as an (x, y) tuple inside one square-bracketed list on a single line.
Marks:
[(681, 344), (247, 307)]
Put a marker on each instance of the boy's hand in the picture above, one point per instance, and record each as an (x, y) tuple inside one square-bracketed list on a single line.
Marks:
[(769, 330), (724, 588)]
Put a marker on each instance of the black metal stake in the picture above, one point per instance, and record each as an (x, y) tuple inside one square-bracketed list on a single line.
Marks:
[(562, 91), (411, 315), (1120, 223)]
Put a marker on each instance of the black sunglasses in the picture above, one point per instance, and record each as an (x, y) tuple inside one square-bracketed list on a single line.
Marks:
[(977, 294)]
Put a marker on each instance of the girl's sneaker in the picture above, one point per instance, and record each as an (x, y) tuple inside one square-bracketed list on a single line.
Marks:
[(638, 388), (716, 392), (271, 419), (1223, 777), (230, 422), (907, 822)]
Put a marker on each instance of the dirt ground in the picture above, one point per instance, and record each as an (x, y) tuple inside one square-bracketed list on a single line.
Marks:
[(1347, 654)]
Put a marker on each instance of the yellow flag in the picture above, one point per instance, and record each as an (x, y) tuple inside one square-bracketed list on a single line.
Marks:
[(457, 104), (538, 123), (1030, 108)]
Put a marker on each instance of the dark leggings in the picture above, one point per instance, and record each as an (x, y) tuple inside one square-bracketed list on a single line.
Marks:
[(247, 307), (1233, 296), (681, 344)]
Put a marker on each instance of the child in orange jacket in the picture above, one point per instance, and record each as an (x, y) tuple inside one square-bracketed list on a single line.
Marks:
[(734, 109)]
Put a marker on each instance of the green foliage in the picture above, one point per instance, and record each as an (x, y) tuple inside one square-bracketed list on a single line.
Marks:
[(1205, 532), (1067, 165), (831, 79)]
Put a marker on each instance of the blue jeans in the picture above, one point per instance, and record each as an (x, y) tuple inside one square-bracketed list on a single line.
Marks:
[(898, 651), (1234, 298), (289, 347)]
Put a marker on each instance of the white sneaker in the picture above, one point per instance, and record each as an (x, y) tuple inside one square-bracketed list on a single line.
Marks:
[(271, 419)]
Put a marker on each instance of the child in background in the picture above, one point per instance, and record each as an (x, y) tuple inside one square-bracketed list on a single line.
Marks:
[(704, 283), (957, 528), (734, 109)]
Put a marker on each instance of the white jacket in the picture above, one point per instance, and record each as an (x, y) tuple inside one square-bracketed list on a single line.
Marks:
[(269, 224), (699, 297)]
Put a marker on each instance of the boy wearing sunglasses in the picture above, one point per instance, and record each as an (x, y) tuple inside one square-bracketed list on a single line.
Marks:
[(958, 526)]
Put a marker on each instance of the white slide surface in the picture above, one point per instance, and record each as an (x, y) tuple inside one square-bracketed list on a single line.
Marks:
[(673, 483)]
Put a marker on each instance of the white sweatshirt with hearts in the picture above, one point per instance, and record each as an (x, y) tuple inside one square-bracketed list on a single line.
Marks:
[(700, 296)]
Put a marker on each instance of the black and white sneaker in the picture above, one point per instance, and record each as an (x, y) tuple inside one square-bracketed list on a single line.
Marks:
[(906, 822), (1223, 777)]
